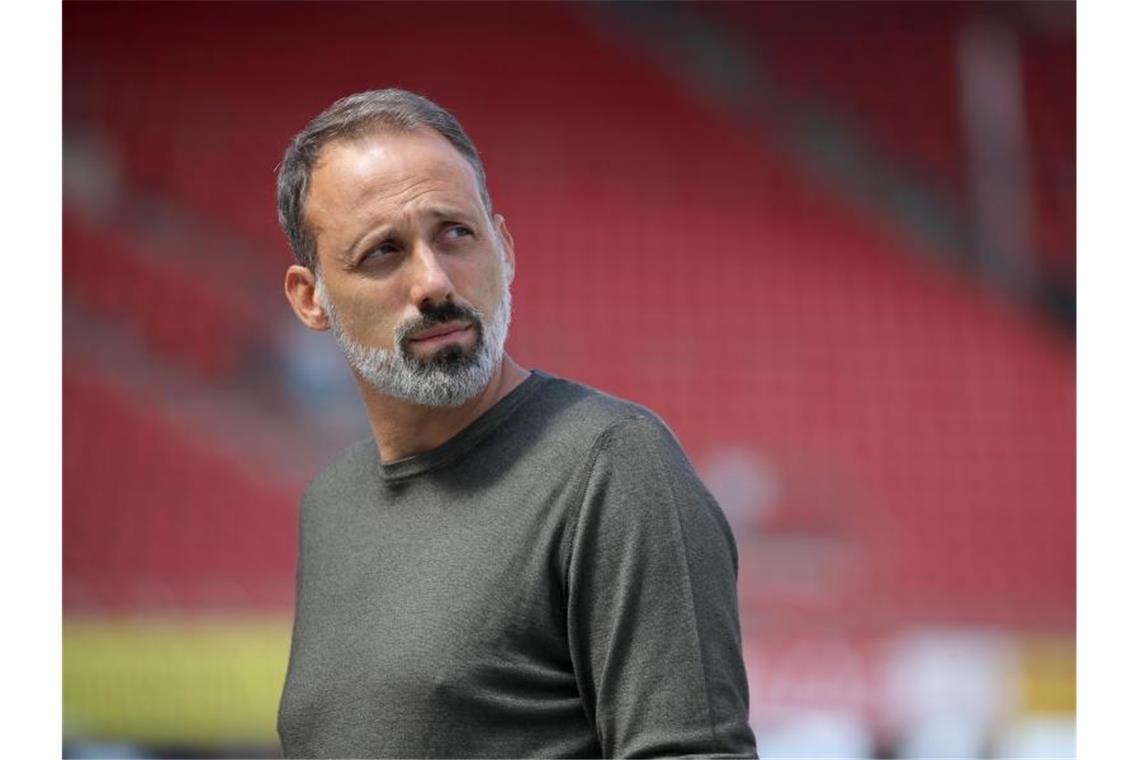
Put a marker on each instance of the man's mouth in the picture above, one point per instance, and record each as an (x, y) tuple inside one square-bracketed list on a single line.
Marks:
[(440, 334)]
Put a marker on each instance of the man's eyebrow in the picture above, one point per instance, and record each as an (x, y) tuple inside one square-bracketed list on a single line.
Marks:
[(444, 211)]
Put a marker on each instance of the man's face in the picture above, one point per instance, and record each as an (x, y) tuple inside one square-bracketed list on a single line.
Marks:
[(414, 276)]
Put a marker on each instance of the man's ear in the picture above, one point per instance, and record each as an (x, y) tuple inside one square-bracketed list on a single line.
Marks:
[(301, 290), (508, 243)]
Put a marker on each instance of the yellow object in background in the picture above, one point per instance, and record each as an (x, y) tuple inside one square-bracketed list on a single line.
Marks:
[(1048, 682), (174, 680)]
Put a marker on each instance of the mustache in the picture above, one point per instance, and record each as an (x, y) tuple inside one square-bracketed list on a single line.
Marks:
[(430, 316)]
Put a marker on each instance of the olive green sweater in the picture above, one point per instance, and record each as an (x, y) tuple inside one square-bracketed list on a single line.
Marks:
[(554, 581)]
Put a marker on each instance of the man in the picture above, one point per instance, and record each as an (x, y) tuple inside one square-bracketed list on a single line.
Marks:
[(514, 565)]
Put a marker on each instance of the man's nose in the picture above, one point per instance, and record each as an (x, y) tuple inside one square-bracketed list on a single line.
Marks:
[(431, 285)]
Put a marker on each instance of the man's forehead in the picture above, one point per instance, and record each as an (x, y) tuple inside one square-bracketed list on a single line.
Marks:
[(386, 161)]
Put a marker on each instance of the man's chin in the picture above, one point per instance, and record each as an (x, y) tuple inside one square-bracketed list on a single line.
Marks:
[(453, 356)]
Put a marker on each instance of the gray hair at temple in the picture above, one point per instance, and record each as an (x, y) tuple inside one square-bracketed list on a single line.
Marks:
[(347, 119)]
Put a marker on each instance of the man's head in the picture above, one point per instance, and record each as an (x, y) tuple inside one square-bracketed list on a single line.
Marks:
[(384, 201)]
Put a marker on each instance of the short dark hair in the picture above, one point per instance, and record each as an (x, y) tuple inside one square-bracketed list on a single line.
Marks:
[(349, 118)]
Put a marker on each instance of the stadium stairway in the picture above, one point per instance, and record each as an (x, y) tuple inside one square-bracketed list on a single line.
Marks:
[(887, 130)]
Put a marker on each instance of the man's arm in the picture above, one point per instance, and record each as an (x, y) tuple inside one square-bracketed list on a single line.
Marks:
[(652, 619)]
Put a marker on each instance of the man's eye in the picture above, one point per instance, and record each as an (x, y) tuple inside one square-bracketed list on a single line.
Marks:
[(458, 231), (384, 249)]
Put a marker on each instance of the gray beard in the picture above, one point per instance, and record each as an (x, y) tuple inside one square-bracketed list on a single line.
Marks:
[(396, 373)]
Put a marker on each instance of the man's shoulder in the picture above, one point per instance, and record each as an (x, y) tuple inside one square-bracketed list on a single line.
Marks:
[(595, 418), (591, 411), (346, 470)]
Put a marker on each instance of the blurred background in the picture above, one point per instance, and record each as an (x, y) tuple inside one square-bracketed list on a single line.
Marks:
[(832, 244)]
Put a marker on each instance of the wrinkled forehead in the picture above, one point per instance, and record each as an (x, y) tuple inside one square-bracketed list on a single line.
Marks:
[(387, 165)]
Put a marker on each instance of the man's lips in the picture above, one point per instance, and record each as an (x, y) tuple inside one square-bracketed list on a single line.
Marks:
[(441, 333)]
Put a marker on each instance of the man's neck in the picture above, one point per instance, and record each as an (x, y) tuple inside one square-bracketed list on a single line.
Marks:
[(403, 429)]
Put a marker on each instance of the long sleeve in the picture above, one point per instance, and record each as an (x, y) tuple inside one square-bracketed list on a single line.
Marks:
[(652, 619)]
